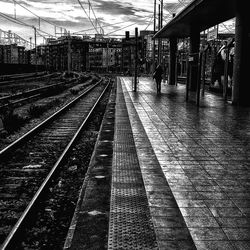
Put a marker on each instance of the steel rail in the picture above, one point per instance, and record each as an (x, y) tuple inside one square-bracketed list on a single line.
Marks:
[(23, 75), (4, 82), (32, 91), (28, 92), (4, 152), (19, 101), (15, 234)]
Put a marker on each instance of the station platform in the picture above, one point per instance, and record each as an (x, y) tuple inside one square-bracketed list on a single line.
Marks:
[(180, 173)]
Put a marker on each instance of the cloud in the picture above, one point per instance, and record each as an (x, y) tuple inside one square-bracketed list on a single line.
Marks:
[(115, 8), (68, 14)]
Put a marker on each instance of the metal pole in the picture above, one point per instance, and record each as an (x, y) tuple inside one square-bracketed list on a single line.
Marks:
[(69, 54), (153, 53), (122, 62), (203, 66), (35, 48), (136, 58), (161, 45), (161, 13), (199, 80), (225, 85), (213, 56), (176, 67), (164, 64), (107, 56), (204, 59), (159, 40), (188, 78)]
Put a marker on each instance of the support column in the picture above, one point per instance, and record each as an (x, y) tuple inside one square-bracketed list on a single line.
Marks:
[(194, 53), (172, 59), (241, 86)]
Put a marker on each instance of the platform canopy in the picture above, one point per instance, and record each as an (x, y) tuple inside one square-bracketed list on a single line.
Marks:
[(201, 13)]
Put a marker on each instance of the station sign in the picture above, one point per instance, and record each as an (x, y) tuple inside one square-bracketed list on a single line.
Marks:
[(212, 33)]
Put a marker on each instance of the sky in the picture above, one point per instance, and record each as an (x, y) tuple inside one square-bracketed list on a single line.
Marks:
[(52, 17), (76, 16)]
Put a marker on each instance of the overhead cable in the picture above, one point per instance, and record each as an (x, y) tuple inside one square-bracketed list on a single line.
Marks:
[(94, 14), (149, 22), (108, 25), (88, 16), (22, 23), (121, 28), (13, 19), (36, 15)]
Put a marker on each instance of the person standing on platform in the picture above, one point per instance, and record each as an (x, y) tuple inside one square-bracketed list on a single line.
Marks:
[(218, 67), (158, 77)]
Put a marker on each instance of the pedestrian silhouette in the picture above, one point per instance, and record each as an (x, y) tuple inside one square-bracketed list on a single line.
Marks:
[(158, 77), (218, 66)]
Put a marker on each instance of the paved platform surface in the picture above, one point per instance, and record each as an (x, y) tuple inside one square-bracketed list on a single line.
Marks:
[(192, 165)]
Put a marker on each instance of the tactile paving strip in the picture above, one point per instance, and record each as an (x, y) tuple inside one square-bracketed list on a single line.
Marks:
[(130, 225)]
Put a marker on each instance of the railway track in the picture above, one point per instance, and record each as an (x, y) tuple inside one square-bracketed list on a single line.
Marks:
[(17, 99), (20, 76), (24, 96), (29, 164), (22, 88)]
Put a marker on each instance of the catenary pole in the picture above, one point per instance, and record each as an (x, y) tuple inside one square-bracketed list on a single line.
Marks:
[(153, 52), (136, 58), (35, 49)]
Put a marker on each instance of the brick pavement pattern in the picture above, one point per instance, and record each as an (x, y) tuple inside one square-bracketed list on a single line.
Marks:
[(195, 165)]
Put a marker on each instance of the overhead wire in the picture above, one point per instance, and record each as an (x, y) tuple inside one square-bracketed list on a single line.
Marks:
[(146, 17), (122, 28), (88, 16), (95, 15), (174, 8), (22, 23), (149, 22), (45, 32), (41, 18), (19, 22), (13, 19), (108, 25)]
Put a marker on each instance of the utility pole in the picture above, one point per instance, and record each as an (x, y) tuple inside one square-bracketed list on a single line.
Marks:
[(35, 48), (107, 55), (136, 58), (161, 13), (153, 52), (162, 60), (69, 54), (159, 40)]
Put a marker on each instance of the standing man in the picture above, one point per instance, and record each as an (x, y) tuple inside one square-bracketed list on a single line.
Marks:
[(158, 77)]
